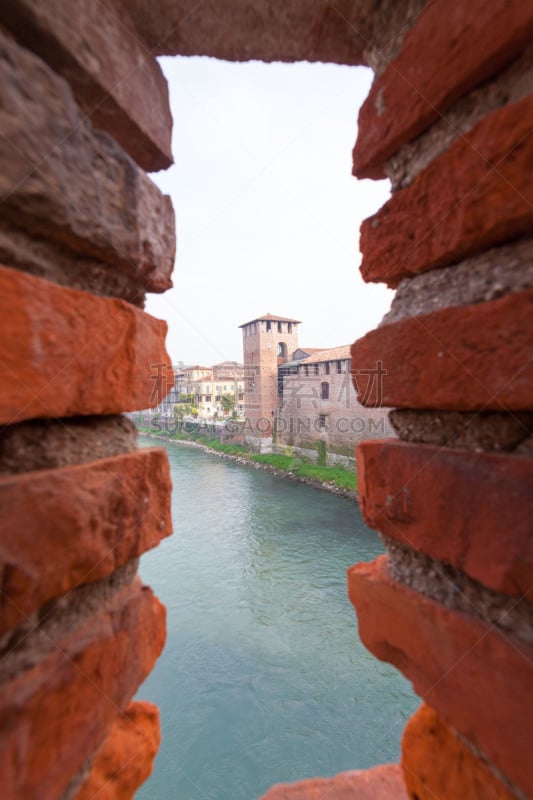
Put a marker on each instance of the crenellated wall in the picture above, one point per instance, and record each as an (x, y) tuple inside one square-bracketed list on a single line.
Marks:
[(85, 234), (450, 120)]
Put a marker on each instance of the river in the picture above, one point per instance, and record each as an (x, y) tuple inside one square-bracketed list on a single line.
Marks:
[(263, 678)]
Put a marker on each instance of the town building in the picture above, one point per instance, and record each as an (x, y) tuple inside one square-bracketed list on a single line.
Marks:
[(215, 392), (303, 400), (318, 403), (267, 342)]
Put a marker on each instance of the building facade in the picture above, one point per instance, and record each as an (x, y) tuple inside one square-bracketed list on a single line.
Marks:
[(216, 392), (268, 342), (303, 399), (318, 404)]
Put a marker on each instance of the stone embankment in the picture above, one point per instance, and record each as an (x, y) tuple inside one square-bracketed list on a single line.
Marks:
[(315, 483)]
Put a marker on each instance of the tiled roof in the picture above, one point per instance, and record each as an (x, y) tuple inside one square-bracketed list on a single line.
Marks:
[(331, 354), (270, 318), (227, 364)]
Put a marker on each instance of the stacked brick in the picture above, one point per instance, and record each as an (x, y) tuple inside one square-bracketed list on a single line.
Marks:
[(84, 234), (450, 121)]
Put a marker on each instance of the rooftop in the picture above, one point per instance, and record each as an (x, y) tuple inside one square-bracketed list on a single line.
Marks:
[(331, 354), (309, 350), (270, 318)]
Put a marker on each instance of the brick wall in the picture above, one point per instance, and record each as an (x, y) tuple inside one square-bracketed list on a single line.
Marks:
[(260, 340), (450, 121), (84, 234), (340, 420)]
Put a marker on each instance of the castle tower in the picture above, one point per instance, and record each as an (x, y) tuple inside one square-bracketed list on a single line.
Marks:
[(267, 342)]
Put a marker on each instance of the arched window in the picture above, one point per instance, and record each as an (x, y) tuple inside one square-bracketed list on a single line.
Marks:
[(282, 350)]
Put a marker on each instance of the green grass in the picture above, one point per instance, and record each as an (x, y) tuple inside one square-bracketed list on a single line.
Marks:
[(222, 447), (275, 460), (343, 478)]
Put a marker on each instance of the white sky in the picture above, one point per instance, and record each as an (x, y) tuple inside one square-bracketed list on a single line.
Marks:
[(266, 207)]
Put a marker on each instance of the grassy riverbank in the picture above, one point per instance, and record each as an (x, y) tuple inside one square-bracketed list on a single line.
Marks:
[(339, 476)]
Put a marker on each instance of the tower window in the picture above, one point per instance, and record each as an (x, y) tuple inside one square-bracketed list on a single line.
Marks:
[(269, 326), (279, 327), (322, 421), (339, 367), (289, 327), (324, 390), (326, 367)]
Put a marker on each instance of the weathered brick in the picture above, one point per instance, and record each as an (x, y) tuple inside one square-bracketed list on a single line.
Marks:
[(418, 494), (63, 181), (57, 712), (379, 783), (269, 30), (475, 195), (64, 352), (114, 77), (437, 763), (126, 758), (478, 680), (463, 358), (87, 520), (451, 48)]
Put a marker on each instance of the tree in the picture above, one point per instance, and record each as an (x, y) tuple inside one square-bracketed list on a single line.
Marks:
[(182, 410), (227, 402)]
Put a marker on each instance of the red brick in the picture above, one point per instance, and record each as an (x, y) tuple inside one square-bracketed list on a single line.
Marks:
[(126, 758), (475, 195), (87, 519), (458, 665), (65, 352), (114, 77), (379, 783), (57, 712), (466, 358), (268, 30), (451, 48), (418, 494), (62, 181), (437, 763)]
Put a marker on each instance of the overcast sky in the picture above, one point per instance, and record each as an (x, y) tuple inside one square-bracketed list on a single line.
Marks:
[(266, 207)]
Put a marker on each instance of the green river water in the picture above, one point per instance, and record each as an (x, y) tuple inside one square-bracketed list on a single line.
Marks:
[(263, 678)]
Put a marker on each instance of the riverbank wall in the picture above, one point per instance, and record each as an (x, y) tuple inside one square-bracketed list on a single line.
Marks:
[(247, 460), (318, 452)]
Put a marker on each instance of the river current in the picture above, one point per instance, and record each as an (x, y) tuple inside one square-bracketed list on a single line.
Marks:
[(263, 678)]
